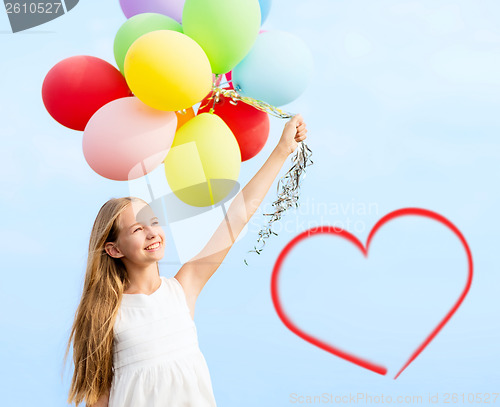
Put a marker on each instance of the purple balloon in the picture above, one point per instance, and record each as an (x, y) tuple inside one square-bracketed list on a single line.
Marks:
[(170, 8)]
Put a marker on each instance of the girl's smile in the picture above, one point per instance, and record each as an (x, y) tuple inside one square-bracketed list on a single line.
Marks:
[(153, 247)]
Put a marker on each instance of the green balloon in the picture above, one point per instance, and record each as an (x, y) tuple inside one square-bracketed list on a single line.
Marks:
[(225, 29), (137, 26)]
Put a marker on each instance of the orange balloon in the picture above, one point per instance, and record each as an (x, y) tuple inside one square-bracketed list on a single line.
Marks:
[(182, 118)]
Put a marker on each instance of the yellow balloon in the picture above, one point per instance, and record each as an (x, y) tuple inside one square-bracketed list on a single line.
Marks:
[(203, 164), (167, 70)]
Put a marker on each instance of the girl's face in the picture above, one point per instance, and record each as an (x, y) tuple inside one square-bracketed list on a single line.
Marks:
[(141, 240)]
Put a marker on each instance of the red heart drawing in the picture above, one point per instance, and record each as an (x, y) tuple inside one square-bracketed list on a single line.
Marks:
[(364, 249)]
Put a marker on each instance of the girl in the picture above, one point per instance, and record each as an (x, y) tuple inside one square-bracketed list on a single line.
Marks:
[(134, 339)]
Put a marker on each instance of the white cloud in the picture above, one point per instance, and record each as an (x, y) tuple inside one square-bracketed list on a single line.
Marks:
[(438, 18), (60, 157), (460, 64), (18, 242), (357, 45), (487, 35)]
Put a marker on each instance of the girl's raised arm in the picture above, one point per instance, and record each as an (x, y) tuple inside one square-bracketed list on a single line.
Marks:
[(194, 274)]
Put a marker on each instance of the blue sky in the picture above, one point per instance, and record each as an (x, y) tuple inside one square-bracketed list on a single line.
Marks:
[(402, 111)]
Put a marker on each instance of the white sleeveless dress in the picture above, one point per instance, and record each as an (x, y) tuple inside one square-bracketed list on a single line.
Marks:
[(156, 357)]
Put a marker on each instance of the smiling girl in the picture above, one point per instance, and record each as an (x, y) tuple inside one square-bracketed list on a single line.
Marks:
[(135, 342)]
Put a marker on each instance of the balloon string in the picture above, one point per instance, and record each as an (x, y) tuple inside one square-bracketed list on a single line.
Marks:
[(225, 83), (215, 85), (235, 97), (288, 193), (289, 185)]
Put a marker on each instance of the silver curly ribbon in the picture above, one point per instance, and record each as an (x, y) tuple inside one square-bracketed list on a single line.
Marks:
[(288, 193), (289, 185)]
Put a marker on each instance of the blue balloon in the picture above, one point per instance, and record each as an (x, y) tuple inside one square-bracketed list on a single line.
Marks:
[(277, 69), (265, 6)]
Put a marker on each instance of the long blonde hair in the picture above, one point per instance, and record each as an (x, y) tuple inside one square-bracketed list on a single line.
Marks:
[(92, 330)]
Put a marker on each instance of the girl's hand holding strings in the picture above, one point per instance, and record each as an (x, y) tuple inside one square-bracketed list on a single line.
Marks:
[(293, 133)]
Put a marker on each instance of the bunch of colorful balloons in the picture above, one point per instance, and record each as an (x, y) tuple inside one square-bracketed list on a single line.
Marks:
[(143, 114)]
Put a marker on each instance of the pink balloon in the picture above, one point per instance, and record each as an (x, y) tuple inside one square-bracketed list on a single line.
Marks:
[(229, 77), (126, 139)]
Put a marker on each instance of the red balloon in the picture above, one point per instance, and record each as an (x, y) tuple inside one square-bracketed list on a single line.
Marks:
[(249, 125), (77, 87)]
